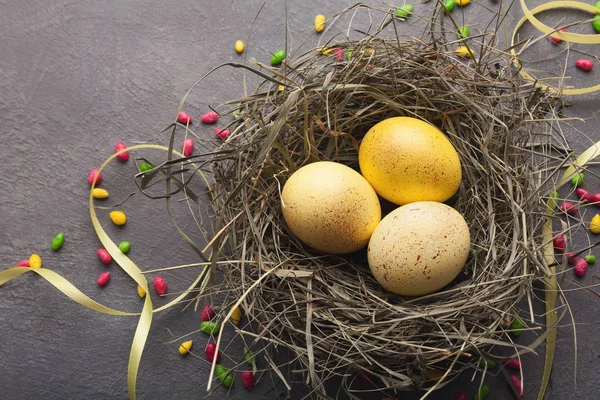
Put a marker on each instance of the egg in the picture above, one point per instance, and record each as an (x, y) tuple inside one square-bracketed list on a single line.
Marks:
[(407, 160), (330, 207), (419, 248)]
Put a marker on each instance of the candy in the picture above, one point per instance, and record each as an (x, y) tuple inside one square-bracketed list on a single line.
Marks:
[(57, 242), (185, 347), (160, 285), (571, 258), (23, 263), (124, 156), (248, 379), (581, 267), (210, 327), (239, 46), (404, 11), (103, 279), (236, 316), (465, 51), (483, 392), (584, 195), (462, 3), (96, 176), (338, 53), (277, 57), (568, 207), (584, 64), (141, 291), (590, 259), (124, 247), (349, 54), (487, 362), (516, 326), (559, 243), (188, 147), (463, 32), (462, 396), (104, 256), (595, 224), (224, 376), (517, 383), (319, 23), (449, 5), (118, 218), (596, 23), (207, 313), (249, 356), (595, 198), (98, 193), (211, 353), (210, 117), (577, 180), (35, 261), (145, 167), (184, 118), (222, 133), (513, 363), (556, 40)]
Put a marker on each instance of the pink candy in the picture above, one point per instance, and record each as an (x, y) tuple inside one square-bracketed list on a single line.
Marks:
[(513, 363), (248, 379), (559, 243), (184, 118), (518, 385), (121, 146), (461, 396), (580, 267), (571, 258), (188, 147), (103, 279), (222, 133), (568, 207), (584, 195), (556, 40), (584, 64), (207, 314), (211, 352), (23, 263), (595, 198), (160, 285), (104, 256), (94, 175), (210, 117), (339, 54)]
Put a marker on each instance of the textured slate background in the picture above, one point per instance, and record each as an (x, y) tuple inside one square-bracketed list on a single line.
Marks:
[(77, 76)]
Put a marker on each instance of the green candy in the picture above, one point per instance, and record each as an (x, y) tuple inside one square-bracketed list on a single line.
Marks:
[(57, 242), (145, 167), (249, 356), (516, 326), (224, 375), (590, 258), (449, 5), (124, 247), (596, 22), (577, 180), (403, 11), (597, 4), (463, 32), (553, 199), (487, 362), (278, 57), (348, 54), (483, 392), (210, 327)]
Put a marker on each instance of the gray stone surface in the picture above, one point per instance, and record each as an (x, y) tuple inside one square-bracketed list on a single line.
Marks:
[(77, 76)]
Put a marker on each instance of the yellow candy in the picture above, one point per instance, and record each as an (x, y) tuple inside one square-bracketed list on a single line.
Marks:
[(185, 347), (281, 87), (236, 316), (118, 217), (320, 23), (35, 261), (141, 292), (323, 50), (465, 51), (239, 46), (462, 3), (594, 225), (99, 193)]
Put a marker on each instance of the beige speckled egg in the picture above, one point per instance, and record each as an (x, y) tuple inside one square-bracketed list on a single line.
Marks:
[(419, 248), (330, 207)]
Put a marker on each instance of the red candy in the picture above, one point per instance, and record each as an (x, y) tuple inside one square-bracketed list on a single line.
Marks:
[(94, 175), (188, 147), (211, 352), (103, 279), (210, 117), (104, 256), (559, 243), (584, 195), (160, 285), (580, 267), (513, 363), (556, 40), (23, 263), (571, 258), (595, 198), (123, 156), (222, 133), (461, 396), (518, 385), (339, 54), (207, 314), (568, 207), (184, 118), (248, 379), (584, 64)]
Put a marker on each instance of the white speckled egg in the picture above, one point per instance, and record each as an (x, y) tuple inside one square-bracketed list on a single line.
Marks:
[(330, 207), (419, 248)]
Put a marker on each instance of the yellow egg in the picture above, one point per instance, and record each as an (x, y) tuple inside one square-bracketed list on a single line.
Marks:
[(330, 207), (407, 160), (419, 248)]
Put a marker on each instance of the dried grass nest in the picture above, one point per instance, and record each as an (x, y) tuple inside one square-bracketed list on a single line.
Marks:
[(329, 310)]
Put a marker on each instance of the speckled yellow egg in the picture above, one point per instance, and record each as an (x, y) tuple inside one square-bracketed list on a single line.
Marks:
[(407, 160), (419, 248), (330, 207)]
